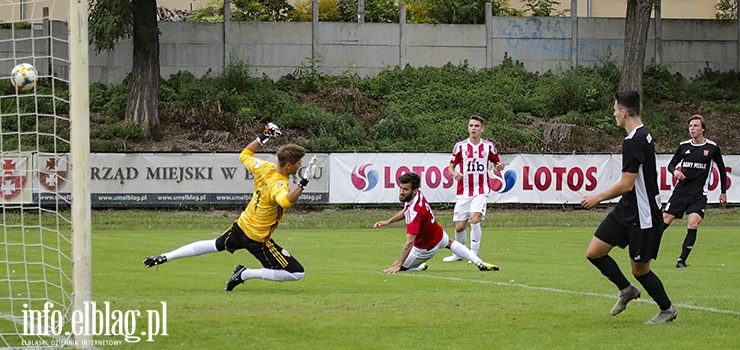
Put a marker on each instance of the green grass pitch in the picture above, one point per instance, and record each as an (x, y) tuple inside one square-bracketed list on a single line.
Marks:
[(546, 296)]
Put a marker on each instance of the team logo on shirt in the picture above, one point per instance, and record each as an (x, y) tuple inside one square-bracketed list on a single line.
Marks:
[(501, 183), (364, 178), (706, 153)]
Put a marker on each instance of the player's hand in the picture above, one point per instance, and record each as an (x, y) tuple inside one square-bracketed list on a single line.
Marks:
[(723, 200), (393, 269), (589, 202), (310, 169), (308, 173), (499, 166), (679, 175), (380, 224), (271, 131)]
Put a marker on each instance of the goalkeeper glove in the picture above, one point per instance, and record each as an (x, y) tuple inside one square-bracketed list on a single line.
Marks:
[(271, 130), (308, 172)]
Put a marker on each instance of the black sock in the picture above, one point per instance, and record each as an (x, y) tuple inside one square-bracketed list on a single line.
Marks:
[(654, 287), (665, 226), (688, 244), (610, 269)]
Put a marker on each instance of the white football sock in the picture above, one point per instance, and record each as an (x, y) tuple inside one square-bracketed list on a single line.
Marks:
[(192, 249), (463, 252), (271, 275), (461, 237), (475, 235)]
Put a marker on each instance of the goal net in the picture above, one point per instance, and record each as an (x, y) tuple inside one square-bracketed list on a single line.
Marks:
[(44, 236)]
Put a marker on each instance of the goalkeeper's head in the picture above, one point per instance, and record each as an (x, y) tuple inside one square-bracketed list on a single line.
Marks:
[(290, 156)]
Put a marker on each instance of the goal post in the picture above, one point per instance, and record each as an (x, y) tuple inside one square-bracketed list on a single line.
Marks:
[(79, 110), (45, 229)]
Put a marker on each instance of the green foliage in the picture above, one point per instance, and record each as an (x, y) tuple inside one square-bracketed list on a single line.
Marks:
[(659, 83), (544, 8), (726, 9), (245, 10), (582, 89), (16, 25), (329, 11), (266, 10), (213, 12), (467, 11), (713, 85), (110, 21)]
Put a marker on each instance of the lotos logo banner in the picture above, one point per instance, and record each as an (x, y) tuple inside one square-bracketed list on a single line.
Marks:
[(528, 178), (364, 178), (501, 183)]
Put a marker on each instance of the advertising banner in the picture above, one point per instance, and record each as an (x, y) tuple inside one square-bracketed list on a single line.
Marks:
[(527, 178), (341, 178), (182, 179)]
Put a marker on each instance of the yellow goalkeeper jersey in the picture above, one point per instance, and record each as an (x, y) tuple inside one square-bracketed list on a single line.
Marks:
[(265, 211)]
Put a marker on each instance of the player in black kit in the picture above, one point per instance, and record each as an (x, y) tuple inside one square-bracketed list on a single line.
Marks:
[(695, 158), (636, 220)]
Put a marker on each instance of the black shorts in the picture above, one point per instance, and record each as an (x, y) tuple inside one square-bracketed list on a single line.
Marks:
[(681, 203), (644, 244), (271, 255)]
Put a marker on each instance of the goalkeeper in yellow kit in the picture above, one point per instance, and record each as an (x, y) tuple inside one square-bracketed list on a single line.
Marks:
[(254, 227)]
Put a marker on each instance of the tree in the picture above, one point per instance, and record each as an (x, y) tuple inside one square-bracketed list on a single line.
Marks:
[(635, 43), (113, 20), (726, 9)]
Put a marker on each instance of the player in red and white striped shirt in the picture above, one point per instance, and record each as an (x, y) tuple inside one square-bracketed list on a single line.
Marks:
[(469, 166), (424, 236)]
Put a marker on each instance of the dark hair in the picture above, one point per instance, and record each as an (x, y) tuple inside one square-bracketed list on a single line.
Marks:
[(630, 101), (478, 118), (290, 153), (700, 118), (410, 177)]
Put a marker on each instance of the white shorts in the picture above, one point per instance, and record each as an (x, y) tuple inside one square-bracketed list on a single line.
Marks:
[(467, 205), (419, 256)]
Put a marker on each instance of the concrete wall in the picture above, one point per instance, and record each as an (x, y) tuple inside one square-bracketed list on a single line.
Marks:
[(277, 49)]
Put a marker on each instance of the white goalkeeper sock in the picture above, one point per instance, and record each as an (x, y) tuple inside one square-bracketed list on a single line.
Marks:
[(192, 249), (475, 235), (271, 275), (463, 252)]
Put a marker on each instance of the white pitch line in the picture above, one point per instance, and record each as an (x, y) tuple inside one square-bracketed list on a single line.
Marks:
[(564, 291)]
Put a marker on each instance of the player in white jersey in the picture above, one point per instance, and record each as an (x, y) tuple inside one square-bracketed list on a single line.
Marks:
[(469, 167)]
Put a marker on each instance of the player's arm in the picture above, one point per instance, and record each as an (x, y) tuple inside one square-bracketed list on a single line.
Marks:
[(454, 173), (494, 158), (677, 157), (722, 177), (293, 195), (625, 185), (393, 219), (404, 254)]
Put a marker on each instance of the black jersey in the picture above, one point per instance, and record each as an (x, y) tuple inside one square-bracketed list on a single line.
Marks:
[(696, 161), (641, 206)]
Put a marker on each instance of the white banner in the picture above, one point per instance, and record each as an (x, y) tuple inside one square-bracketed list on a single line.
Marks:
[(180, 178), (528, 178)]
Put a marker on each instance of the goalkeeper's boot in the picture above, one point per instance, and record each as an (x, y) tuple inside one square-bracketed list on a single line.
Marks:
[(484, 266), (236, 278), (452, 257), (150, 261), (423, 267), (625, 296)]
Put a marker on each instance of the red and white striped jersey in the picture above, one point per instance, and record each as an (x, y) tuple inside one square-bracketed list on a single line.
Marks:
[(420, 222), (472, 162)]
